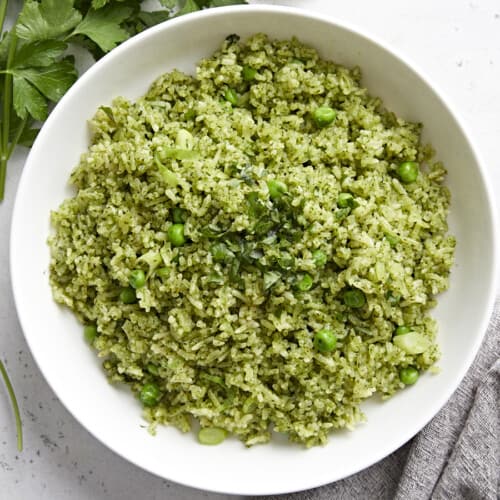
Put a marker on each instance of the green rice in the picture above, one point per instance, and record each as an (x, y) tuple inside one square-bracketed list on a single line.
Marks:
[(229, 339)]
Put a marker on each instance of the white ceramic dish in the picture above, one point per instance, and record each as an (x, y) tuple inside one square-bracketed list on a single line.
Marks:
[(113, 415)]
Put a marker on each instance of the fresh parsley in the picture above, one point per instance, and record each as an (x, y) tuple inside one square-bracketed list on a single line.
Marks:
[(36, 70)]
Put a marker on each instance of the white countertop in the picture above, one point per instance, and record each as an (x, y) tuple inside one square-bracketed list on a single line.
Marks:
[(456, 42)]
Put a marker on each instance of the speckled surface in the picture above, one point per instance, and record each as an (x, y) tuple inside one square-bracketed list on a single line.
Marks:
[(456, 42)]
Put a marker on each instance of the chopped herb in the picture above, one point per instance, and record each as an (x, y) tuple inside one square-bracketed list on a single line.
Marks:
[(276, 189), (392, 239), (342, 213), (190, 115), (346, 200), (220, 252), (263, 226), (215, 278), (231, 96), (163, 272), (215, 379), (212, 231), (179, 215), (234, 272), (270, 239), (153, 369), (286, 261), (270, 279), (392, 298), (248, 73), (255, 205)]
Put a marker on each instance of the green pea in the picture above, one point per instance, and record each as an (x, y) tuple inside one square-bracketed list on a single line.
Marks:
[(408, 172), (221, 252), (323, 116), (319, 258), (90, 333), (231, 96), (137, 278), (163, 272), (150, 394), (408, 375), (179, 215), (211, 435), (305, 283), (276, 189), (325, 341), (127, 295), (354, 298), (248, 73), (402, 330), (176, 235), (346, 200)]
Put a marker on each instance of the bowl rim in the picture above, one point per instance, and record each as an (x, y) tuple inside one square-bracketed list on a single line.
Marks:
[(381, 45)]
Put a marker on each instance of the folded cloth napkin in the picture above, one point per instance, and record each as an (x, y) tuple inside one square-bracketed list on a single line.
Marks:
[(456, 456)]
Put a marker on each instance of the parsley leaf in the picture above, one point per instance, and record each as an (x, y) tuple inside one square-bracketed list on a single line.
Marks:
[(47, 19), (52, 81), (43, 53), (169, 4), (21, 131), (99, 4), (103, 26), (152, 18), (223, 3), (28, 136), (188, 7), (27, 100), (4, 48)]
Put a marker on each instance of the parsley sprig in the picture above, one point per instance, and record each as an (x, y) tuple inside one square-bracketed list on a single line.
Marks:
[(36, 69)]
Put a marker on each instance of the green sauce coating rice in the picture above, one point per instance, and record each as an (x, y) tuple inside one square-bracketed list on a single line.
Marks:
[(223, 204)]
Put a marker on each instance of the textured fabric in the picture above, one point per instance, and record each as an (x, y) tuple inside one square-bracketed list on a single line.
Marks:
[(456, 456)]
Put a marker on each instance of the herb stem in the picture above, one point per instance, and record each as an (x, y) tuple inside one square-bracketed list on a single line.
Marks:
[(7, 98), (3, 172), (15, 407), (17, 136), (3, 12)]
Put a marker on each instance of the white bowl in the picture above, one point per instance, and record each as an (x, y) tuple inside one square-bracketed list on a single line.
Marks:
[(112, 415)]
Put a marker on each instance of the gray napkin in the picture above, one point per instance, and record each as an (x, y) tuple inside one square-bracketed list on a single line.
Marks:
[(456, 456)]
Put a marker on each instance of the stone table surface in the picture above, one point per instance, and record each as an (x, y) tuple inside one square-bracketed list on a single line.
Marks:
[(455, 42)]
